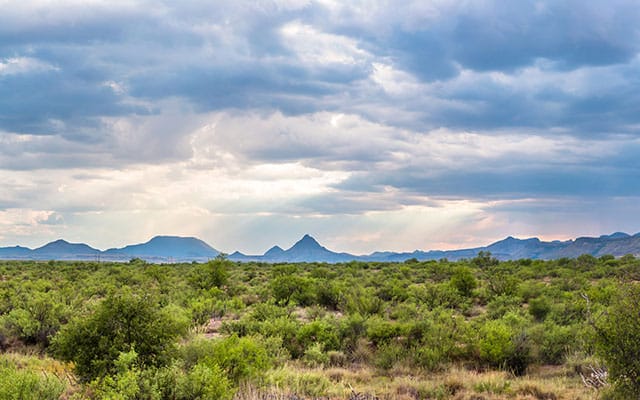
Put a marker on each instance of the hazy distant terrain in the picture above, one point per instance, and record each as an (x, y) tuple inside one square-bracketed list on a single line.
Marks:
[(307, 249)]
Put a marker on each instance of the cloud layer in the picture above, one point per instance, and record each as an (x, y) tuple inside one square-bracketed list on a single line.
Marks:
[(371, 125)]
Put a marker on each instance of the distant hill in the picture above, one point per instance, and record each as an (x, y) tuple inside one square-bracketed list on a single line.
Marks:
[(158, 249), (307, 249), (63, 248), (510, 248), (273, 253), (167, 247), (15, 252)]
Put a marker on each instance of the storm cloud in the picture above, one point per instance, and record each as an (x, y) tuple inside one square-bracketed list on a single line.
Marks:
[(335, 116)]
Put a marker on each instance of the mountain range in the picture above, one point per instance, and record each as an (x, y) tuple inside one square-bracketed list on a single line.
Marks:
[(163, 249)]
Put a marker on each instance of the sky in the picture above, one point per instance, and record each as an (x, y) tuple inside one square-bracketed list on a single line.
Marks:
[(371, 125)]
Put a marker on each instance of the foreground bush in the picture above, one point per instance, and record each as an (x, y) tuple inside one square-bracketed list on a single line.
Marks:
[(239, 358), (504, 345), (121, 323), (18, 384), (202, 382), (618, 342)]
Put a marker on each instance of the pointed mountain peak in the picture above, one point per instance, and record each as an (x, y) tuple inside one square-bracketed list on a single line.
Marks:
[(507, 240), (275, 250), (307, 242)]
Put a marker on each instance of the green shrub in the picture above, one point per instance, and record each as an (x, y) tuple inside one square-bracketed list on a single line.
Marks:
[(554, 342), (539, 308), (351, 329), (464, 281), (319, 332), (314, 356), (213, 274), (121, 323), (362, 301), (501, 345), (503, 304), (292, 288), (18, 384), (329, 295), (501, 281), (431, 358), (381, 331), (124, 383), (239, 358), (204, 382), (618, 341), (37, 320), (389, 355), (439, 295)]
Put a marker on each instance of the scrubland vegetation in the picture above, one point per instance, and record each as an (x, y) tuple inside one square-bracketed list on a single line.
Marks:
[(469, 330)]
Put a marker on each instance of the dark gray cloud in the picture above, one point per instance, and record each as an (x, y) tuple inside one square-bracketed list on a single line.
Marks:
[(220, 56), (573, 34), (115, 86), (507, 182)]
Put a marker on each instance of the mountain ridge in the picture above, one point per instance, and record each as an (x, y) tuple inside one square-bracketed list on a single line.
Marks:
[(308, 249), (168, 247)]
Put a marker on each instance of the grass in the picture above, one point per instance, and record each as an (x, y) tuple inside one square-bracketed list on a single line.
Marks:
[(295, 381)]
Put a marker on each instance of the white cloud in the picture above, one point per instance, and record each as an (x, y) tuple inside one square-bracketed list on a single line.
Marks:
[(315, 47), (396, 82), (24, 65)]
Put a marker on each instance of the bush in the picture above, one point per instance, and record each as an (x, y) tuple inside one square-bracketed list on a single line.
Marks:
[(554, 342), (18, 384), (213, 274), (381, 331), (618, 341), (503, 304), (362, 301), (292, 288), (240, 358), (38, 320), (314, 356), (501, 281), (464, 281), (121, 323), (539, 308), (130, 383), (352, 328), (329, 295), (389, 355), (204, 382), (319, 332), (504, 346)]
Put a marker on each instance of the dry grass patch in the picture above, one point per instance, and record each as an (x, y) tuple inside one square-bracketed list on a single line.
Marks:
[(547, 383)]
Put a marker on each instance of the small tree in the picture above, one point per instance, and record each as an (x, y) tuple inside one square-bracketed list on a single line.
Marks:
[(464, 281), (214, 273), (618, 342), (121, 323), (484, 260), (504, 344)]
